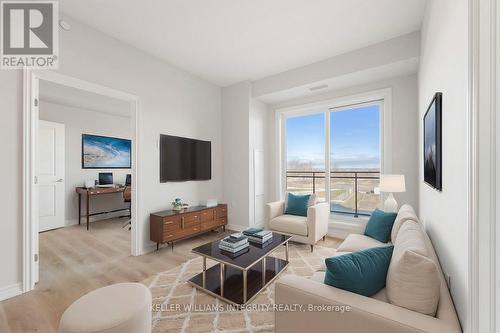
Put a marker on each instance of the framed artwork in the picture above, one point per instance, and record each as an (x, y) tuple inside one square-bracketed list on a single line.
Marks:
[(103, 152), (432, 143)]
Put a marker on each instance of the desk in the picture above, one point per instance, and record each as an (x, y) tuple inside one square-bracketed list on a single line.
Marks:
[(94, 191)]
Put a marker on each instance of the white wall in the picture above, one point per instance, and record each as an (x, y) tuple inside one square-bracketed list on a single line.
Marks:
[(259, 142), (11, 168), (404, 131), (444, 67), (171, 102), (244, 130), (235, 138), (77, 122)]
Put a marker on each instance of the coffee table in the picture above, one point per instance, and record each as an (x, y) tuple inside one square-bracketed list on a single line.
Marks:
[(237, 280)]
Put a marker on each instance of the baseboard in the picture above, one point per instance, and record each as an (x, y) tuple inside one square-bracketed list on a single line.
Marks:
[(11, 291)]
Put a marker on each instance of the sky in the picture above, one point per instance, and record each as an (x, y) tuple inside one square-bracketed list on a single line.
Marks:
[(354, 139)]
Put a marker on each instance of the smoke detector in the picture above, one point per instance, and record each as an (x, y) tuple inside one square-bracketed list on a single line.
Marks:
[(64, 25)]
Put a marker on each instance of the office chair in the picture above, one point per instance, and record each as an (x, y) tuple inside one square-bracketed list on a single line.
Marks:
[(127, 197)]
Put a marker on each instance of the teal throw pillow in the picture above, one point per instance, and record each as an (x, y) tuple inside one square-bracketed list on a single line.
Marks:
[(297, 204), (379, 225), (362, 272)]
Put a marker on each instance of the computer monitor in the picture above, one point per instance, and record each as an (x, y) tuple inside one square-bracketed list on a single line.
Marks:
[(128, 180), (105, 178)]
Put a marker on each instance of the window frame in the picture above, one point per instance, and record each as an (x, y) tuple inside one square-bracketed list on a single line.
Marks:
[(382, 96)]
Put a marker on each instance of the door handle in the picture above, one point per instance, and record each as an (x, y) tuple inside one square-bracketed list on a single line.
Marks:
[(60, 180)]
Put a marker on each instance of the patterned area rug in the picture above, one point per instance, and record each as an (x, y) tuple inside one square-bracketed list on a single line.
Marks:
[(179, 307)]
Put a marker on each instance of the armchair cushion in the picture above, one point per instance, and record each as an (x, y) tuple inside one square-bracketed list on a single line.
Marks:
[(290, 224), (362, 272), (297, 204)]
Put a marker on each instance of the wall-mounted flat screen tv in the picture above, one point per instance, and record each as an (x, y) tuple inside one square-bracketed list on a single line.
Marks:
[(104, 152), (183, 159)]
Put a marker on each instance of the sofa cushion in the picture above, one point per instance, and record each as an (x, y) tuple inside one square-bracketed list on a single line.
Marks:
[(318, 276), (413, 278), (379, 225), (322, 268), (381, 296), (297, 204), (290, 224), (362, 272), (357, 242), (405, 213)]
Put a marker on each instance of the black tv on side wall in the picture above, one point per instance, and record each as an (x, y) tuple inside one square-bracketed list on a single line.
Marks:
[(183, 159)]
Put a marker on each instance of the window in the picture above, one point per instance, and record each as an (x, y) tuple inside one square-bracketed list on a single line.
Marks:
[(352, 137), (305, 159), (354, 159)]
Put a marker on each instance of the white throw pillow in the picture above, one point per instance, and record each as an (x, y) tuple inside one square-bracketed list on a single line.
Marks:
[(413, 278), (405, 213)]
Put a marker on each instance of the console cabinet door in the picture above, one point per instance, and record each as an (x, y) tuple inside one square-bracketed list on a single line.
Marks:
[(207, 215), (221, 212)]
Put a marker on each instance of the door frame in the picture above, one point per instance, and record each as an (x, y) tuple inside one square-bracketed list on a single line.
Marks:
[(31, 80)]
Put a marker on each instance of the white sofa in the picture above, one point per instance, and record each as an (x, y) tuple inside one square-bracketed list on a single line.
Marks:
[(306, 230), (374, 314)]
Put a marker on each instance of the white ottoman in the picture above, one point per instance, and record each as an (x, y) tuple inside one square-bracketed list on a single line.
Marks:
[(119, 308)]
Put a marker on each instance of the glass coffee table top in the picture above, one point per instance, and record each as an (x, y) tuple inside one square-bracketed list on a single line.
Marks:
[(238, 279), (245, 258)]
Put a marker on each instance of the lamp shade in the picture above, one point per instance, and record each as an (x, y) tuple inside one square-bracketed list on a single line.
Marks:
[(392, 183)]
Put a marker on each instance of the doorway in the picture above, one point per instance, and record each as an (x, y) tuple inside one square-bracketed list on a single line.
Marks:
[(58, 110)]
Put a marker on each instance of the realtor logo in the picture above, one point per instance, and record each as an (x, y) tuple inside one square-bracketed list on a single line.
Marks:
[(29, 34)]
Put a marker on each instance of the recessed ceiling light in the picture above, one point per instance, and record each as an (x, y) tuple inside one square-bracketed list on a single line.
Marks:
[(64, 25), (323, 86)]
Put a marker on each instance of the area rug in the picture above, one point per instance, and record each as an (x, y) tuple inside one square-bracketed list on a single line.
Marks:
[(179, 307)]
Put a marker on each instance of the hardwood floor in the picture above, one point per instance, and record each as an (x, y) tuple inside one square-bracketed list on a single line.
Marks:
[(74, 261)]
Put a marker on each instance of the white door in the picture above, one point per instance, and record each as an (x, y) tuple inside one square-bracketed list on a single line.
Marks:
[(51, 175)]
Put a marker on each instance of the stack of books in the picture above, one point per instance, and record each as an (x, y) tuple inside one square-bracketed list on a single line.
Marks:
[(257, 235), (234, 243)]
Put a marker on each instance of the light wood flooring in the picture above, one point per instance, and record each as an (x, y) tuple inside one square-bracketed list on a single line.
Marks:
[(74, 261)]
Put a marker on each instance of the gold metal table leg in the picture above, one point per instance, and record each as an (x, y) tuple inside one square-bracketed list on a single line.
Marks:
[(264, 271), (204, 271), (286, 252), (244, 286), (222, 274)]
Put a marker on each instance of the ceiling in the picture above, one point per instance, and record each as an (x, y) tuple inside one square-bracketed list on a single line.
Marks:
[(84, 100), (228, 41)]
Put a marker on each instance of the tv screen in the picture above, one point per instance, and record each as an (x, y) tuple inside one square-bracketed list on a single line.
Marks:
[(184, 159)]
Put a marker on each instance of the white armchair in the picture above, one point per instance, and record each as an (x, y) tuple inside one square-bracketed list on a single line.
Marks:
[(307, 230)]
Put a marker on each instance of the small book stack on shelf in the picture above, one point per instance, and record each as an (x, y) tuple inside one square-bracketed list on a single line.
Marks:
[(234, 243), (257, 235)]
